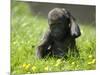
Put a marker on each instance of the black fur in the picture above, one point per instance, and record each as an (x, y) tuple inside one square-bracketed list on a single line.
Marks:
[(61, 34)]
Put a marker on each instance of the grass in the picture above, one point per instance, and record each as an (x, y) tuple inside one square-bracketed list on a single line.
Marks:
[(27, 30)]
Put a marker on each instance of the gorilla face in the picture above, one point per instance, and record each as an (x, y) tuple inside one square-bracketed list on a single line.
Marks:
[(58, 23)]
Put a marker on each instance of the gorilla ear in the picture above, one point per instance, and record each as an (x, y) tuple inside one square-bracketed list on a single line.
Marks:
[(74, 28)]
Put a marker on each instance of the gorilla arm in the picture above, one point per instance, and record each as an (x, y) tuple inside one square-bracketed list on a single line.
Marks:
[(42, 49)]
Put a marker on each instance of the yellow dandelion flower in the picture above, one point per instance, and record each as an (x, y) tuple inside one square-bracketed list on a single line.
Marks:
[(73, 63), (59, 60), (27, 66), (89, 63), (93, 61), (24, 65), (57, 64), (33, 68), (90, 56), (77, 66), (46, 68)]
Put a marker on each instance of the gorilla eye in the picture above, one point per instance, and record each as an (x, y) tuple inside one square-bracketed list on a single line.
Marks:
[(51, 24)]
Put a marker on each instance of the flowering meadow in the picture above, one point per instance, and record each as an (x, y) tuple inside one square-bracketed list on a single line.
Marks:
[(26, 32)]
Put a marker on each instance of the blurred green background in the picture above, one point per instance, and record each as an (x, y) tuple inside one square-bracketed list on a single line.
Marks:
[(29, 23)]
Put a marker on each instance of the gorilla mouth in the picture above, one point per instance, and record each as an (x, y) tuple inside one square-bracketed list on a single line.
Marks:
[(59, 38), (59, 35)]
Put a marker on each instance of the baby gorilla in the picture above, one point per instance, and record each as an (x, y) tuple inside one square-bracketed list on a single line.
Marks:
[(61, 34)]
